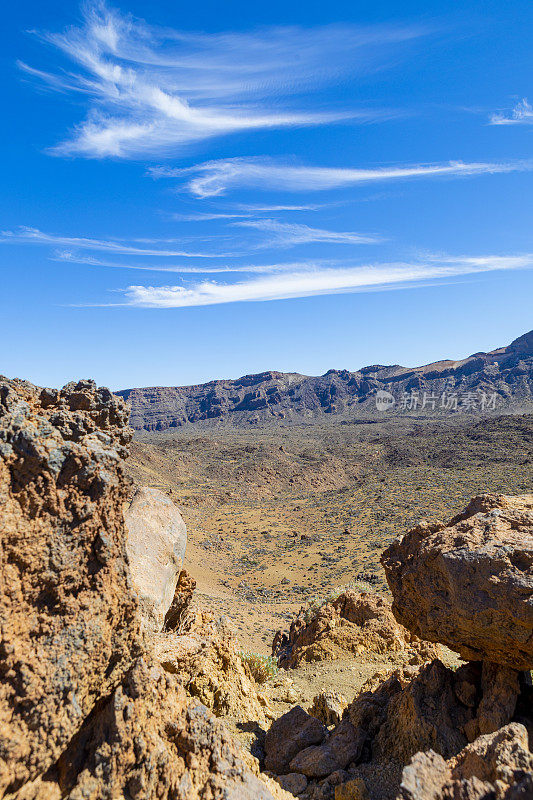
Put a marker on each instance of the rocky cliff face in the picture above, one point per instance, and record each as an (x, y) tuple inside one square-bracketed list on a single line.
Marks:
[(507, 372), (86, 709)]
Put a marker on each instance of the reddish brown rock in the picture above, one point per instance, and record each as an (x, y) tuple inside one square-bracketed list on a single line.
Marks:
[(69, 629), (328, 707), (497, 765), (179, 616), (85, 709), (469, 584), (207, 661), (352, 623)]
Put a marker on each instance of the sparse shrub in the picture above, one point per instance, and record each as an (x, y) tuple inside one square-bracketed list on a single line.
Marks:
[(263, 668)]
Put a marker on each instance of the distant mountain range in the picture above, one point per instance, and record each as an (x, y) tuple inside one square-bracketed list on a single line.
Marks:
[(500, 380)]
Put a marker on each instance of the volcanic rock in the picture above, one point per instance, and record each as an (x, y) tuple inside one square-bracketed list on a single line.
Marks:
[(155, 543), (469, 584), (328, 707), (343, 746), (498, 765), (69, 629), (179, 616), (287, 736), (86, 711), (349, 624), (207, 661)]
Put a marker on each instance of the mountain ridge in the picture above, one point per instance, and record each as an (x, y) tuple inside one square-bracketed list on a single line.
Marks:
[(504, 376)]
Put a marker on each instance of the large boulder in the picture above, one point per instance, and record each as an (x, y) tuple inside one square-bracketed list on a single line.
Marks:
[(469, 584), (350, 624), (343, 746), (156, 542), (288, 735), (69, 629)]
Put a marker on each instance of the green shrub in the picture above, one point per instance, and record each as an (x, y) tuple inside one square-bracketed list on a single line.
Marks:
[(263, 668)]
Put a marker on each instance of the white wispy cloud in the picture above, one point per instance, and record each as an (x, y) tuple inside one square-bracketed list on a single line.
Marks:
[(309, 282), (252, 208), (151, 89), (287, 234), (75, 258), (27, 235), (217, 177), (207, 217), (521, 114), (245, 211)]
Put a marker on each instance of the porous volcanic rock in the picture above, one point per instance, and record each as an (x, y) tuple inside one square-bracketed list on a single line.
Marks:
[(414, 709), (328, 707), (86, 711), (343, 746), (469, 584), (179, 616), (207, 661), (69, 629), (352, 623), (496, 766), (147, 742), (155, 543)]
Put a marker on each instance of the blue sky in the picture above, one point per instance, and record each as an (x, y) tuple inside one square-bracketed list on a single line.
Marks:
[(208, 191)]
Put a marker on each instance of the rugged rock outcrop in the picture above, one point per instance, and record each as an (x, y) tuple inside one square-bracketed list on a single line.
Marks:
[(469, 584), (68, 624), (207, 661), (155, 544), (498, 765), (85, 708), (180, 616), (503, 377), (352, 623)]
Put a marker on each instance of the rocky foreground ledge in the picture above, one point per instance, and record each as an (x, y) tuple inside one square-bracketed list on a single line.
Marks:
[(428, 732), (86, 710)]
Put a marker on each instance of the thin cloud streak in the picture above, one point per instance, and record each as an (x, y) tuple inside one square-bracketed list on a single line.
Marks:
[(521, 114), (27, 235), (272, 209), (207, 217), (286, 234), (151, 89), (308, 283), (73, 258), (217, 177)]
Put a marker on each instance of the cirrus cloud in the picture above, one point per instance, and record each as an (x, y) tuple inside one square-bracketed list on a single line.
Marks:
[(319, 281), (217, 177), (151, 89)]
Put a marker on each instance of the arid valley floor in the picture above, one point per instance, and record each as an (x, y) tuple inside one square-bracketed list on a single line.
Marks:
[(278, 515)]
